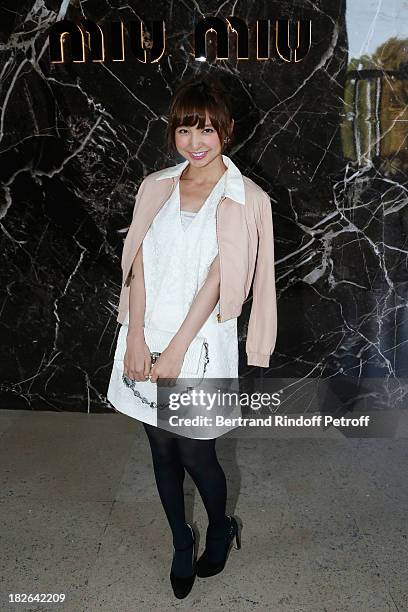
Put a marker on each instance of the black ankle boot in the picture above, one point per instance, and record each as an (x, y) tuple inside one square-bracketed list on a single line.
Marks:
[(204, 566), (182, 585)]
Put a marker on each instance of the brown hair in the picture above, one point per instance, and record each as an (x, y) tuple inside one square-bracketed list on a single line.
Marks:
[(189, 104)]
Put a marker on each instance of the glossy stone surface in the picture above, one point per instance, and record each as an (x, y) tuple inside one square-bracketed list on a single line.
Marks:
[(325, 137)]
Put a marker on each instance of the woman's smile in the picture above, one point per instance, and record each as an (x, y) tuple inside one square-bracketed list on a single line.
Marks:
[(198, 155)]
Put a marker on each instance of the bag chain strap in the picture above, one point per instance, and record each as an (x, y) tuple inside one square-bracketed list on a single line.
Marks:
[(132, 383)]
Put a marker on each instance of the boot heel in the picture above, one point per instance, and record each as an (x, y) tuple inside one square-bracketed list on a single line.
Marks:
[(238, 527), (206, 568)]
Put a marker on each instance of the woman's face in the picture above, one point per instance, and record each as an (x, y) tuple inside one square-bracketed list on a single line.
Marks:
[(205, 142)]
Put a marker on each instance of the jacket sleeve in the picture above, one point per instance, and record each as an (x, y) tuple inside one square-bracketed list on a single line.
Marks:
[(262, 326), (138, 195), (127, 257)]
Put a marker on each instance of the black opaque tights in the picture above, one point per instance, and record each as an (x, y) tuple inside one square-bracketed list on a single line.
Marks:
[(173, 454)]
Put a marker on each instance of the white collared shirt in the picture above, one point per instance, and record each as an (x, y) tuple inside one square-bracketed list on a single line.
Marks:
[(234, 184)]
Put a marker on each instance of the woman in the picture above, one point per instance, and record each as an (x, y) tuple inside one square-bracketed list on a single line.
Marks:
[(199, 230)]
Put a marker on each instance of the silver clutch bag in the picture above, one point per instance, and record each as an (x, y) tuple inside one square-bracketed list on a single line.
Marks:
[(196, 357), (194, 365)]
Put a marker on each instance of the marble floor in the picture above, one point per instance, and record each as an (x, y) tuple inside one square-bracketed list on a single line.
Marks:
[(324, 520)]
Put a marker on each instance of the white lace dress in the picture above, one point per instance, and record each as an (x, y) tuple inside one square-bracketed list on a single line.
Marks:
[(178, 250)]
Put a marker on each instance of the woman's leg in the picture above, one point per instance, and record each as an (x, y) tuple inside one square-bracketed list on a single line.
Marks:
[(169, 474), (200, 460)]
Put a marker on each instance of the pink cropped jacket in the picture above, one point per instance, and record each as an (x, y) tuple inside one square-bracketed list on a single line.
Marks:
[(245, 248)]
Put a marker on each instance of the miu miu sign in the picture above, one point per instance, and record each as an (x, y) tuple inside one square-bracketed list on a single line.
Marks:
[(290, 40)]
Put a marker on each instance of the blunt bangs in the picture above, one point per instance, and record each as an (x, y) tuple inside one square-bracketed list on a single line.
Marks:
[(189, 105)]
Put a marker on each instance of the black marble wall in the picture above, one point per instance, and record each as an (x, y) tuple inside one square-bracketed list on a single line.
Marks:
[(325, 137)]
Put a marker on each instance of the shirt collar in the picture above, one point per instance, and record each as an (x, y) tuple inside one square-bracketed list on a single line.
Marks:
[(234, 183)]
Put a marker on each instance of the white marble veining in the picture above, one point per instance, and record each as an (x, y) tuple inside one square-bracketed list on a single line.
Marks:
[(326, 138)]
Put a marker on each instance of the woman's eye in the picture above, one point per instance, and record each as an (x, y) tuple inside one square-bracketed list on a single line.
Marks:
[(181, 130)]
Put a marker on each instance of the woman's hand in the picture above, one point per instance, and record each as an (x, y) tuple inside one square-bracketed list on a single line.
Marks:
[(137, 360), (169, 364)]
